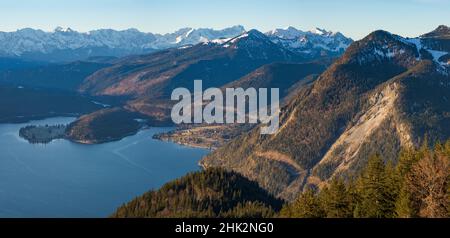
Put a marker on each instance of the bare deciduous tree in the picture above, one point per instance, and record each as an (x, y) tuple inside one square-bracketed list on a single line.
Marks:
[(428, 185)]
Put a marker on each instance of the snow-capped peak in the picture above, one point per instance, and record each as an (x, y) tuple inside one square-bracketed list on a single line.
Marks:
[(61, 29), (119, 43), (314, 42), (190, 36), (108, 42), (320, 31), (286, 33), (250, 37)]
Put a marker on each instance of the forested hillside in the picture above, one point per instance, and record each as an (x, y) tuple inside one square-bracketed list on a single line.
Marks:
[(210, 193), (385, 93), (418, 186)]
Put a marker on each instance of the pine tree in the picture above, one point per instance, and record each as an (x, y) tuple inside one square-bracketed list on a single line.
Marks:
[(336, 200), (392, 188), (408, 157), (306, 206), (403, 206), (376, 199)]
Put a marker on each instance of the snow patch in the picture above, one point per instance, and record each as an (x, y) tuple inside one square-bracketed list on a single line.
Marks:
[(239, 37), (185, 47), (417, 42), (437, 55), (220, 41)]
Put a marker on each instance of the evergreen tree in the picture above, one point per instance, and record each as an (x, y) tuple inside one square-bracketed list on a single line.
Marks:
[(306, 206), (249, 210), (376, 200), (403, 206), (392, 188), (408, 157), (205, 194), (336, 200)]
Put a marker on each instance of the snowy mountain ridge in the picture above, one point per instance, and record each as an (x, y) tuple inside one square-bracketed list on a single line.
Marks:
[(68, 44), (313, 42), (30, 40)]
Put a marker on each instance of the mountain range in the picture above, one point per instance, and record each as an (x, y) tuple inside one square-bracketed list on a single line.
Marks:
[(148, 80), (69, 45), (143, 83), (313, 44), (384, 94), (343, 100), (156, 75)]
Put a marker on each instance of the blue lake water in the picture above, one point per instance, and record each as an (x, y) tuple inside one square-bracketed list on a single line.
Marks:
[(65, 179)]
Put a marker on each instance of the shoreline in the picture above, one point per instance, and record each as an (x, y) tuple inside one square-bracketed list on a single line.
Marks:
[(159, 136), (99, 142), (190, 145), (147, 133)]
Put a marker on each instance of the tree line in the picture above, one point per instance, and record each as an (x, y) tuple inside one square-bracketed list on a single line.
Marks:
[(416, 186)]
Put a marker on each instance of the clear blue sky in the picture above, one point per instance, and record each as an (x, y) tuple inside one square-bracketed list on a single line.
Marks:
[(355, 18)]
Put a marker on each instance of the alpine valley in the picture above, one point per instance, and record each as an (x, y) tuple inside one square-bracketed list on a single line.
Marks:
[(349, 108), (384, 93)]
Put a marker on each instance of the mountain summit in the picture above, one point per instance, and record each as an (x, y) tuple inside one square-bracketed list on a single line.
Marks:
[(66, 44), (216, 63), (315, 43), (442, 31), (385, 93)]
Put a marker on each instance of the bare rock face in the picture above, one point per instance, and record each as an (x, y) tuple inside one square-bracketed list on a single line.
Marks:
[(386, 92)]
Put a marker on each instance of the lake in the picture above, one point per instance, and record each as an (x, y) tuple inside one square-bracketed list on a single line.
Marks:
[(65, 179)]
